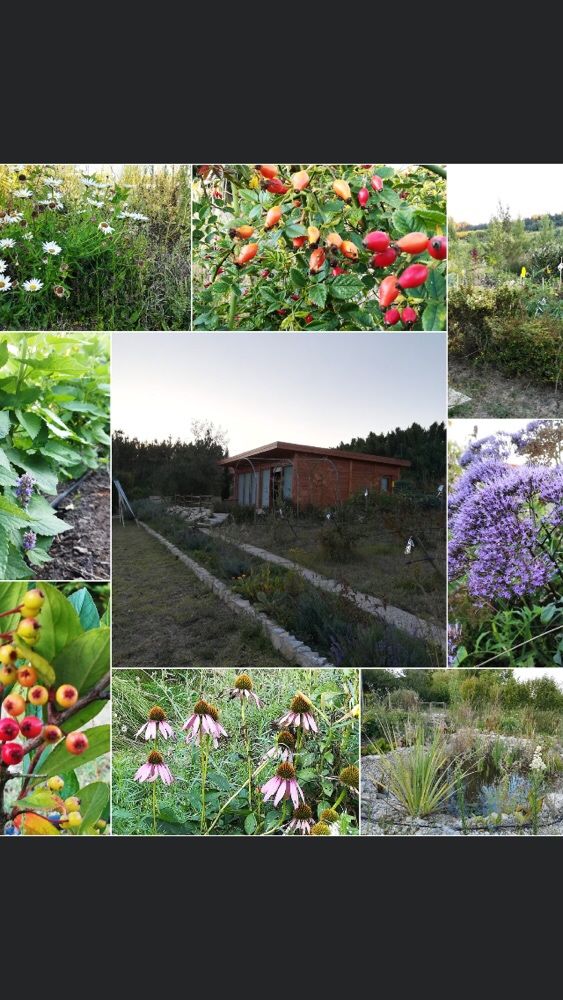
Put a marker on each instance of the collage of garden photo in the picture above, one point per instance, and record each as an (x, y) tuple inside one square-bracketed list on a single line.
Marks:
[(281, 500)]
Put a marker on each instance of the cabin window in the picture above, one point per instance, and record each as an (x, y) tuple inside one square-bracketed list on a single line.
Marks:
[(384, 484), (247, 488), (287, 482)]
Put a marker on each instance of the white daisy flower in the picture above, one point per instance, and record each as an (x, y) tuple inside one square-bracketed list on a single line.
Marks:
[(7, 244), (27, 236), (105, 228), (52, 248), (89, 183), (96, 204), (5, 282), (3, 266), (53, 182), (33, 285), (22, 193), (133, 215), (7, 220)]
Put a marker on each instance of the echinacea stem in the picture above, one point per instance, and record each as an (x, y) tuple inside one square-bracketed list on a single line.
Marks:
[(204, 754), (154, 806), (238, 791), (246, 739)]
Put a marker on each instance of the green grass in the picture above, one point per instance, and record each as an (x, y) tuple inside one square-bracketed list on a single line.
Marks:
[(163, 615), (333, 694)]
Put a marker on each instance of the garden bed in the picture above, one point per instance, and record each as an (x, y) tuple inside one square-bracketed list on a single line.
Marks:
[(83, 552), (372, 561), (329, 624), (495, 793)]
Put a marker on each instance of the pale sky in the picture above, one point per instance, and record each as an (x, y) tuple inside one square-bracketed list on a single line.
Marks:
[(474, 190), (461, 431), (312, 388)]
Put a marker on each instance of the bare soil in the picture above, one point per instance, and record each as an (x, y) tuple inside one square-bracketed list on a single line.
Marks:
[(83, 553), (496, 395), (164, 617)]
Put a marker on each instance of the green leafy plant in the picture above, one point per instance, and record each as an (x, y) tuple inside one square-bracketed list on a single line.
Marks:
[(54, 670), (318, 248), (54, 423)]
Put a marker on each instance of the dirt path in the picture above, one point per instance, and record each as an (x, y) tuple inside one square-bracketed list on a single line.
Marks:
[(496, 395), (164, 617), (84, 552)]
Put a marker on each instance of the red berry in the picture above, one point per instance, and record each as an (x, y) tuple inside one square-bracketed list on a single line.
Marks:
[(377, 183), (264, 273), (76, 742), (438, 247), (298, 241), (275, 186), (281, 312), (413, 243), (363, 197), (338, 270), (52, 734), (9, 729), (409, 316), (309, 318), (388, 291), (392, 316), (295, 297), (413, 276), (376, 241), (12, 753), (31, 726), (316, 260), (219, 270), (385, 258)]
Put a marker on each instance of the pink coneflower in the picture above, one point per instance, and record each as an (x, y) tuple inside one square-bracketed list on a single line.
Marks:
[(300, 714), (242, 688), (204, 721), (153, 769), (284, 746), (301, 821), (283, 786), (157, 725)]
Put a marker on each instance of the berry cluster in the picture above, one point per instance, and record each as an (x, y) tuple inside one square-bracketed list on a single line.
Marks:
[(65, 813), (24, 699)]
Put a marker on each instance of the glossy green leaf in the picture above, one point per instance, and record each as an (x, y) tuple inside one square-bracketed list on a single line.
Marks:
[(85, 660), (84, 604), (94, 800), (60, 623), (60, 760)]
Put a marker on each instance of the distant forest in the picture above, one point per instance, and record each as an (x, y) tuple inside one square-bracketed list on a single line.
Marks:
[(425, 447), (532, 224)]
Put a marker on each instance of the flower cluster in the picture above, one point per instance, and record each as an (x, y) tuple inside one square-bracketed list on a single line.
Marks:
[(29, 541), (503, 520), (538, 764), (24, 489)]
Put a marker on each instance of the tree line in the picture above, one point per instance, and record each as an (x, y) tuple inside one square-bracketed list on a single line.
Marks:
[(424, 447)]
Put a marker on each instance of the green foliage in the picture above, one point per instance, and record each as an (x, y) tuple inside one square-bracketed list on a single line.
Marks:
[(288, 296), (121, 254), (54, 424), (170, 467)]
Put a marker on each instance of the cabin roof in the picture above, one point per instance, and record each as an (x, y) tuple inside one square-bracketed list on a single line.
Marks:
[(285, 449)]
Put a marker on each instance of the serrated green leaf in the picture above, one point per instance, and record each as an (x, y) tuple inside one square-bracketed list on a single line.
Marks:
[(4, 423), (345, 286), (297, 278), (4, 550), (37, 467), (292, 231), (30, 421), (403, 221), (317, 294), (43, 519)]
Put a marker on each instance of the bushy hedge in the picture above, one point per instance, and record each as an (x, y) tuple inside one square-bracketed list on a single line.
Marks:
[(493, 323)]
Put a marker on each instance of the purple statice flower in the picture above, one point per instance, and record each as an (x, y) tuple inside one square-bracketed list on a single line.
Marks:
[(502, 530), (24, 489), (29, 540), (496, 447)]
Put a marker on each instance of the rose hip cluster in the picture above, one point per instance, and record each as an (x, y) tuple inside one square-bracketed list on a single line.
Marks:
[(20, 691), (333, 250)]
